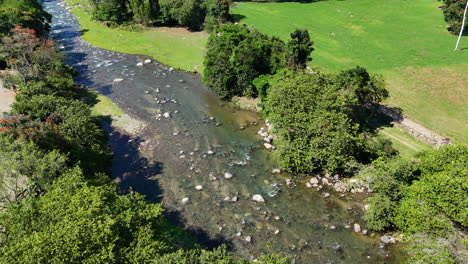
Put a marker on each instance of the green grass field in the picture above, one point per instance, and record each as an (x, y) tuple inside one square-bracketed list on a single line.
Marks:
[(172, 46), (405, 40)]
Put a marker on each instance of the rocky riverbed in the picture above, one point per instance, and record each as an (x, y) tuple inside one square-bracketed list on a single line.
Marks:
[(204, 160)]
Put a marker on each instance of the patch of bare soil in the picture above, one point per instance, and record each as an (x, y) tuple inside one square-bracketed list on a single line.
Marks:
[(7, 97)]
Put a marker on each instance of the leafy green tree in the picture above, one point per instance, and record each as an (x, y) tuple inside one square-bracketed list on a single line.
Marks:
[(24, 13), (187, 13), (453, 12), (109, 10), (78, 223), (236, 56), (312, 131), (28, 54), (217, 13), (25, 168), (144, 11), (298, 49), (363, 88)]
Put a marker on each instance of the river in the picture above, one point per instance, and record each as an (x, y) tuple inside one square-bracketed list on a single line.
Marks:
[(200, 142)]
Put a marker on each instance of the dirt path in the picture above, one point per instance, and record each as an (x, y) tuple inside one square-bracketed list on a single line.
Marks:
[(415, 129)]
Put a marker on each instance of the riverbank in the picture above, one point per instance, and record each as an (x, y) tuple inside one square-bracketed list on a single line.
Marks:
[(201, 157), (176, 47)]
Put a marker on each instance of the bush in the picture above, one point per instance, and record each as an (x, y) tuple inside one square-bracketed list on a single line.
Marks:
[(380, 214), (424, 249)]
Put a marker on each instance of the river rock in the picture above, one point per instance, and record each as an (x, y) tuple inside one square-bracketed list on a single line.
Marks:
[(198, 187), (268, 146), (210, 152), (277, 231), (276, 171), (185, 200), (314, 181), (258, 198), (139, 64), (308, 185), (118, 80), (357, 228), (326, 195), (234, 199), (248, 238), (167, 115), (387, 239), (364, 232), (147, 61), (228, 175)]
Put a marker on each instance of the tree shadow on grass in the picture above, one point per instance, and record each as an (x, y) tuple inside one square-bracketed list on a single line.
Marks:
[(381, 116)]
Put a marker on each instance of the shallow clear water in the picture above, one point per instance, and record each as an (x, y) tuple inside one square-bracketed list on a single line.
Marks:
[(169, 158)]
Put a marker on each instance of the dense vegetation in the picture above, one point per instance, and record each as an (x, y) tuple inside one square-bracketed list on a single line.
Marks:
[(453, 12), (193, 14), (237, 55), (423, 75), (318, 118), (58, 204), (426, 200)]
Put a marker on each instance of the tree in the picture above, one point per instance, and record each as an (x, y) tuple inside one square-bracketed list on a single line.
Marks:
[(236, 56), (187, 13), (454, 12), (462, 26), (298, 49), (78, 223), (109, 10), (25, 168), (144, 11), (26, 14), (28, 54), (313, 132)]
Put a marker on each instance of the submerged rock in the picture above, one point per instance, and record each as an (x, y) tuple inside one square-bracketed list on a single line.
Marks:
[(258, 198), (357, 228), (387, 239), (276, 171)]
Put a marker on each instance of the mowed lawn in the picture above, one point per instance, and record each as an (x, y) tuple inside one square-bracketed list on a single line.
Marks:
[(405, 40), (175, 47)]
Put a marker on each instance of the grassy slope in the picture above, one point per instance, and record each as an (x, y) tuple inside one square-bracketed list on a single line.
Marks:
[(172, 46), (402, 39)]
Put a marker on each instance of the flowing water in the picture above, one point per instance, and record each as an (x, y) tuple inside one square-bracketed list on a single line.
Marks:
[(170, 157)]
